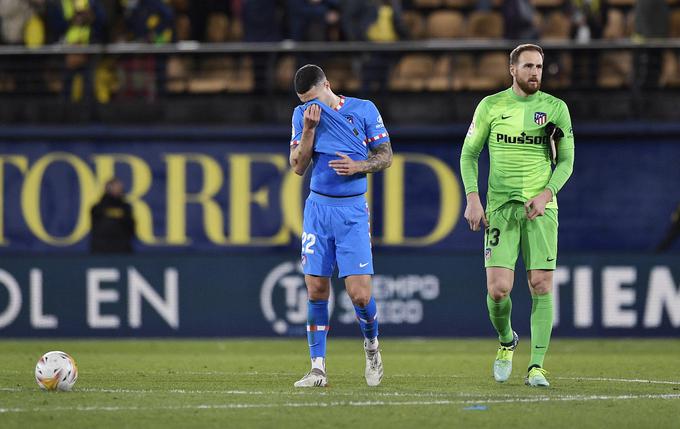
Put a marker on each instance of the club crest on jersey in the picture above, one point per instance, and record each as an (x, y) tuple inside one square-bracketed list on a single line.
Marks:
[(540, 118)]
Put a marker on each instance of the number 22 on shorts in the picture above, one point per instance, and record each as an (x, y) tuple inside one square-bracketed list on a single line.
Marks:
[(308, 240)]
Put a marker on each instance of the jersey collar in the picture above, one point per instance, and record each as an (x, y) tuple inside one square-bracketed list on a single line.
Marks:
[(340, 104), (523, 99)]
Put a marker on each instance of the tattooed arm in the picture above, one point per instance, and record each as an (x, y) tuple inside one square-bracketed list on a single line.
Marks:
[(379, 159)]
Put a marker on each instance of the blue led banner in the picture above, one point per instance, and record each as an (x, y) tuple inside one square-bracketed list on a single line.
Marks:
[(212, 196), (417, 295)]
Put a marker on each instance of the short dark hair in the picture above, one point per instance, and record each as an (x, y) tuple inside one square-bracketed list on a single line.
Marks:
[(307, 76), (514, 55)]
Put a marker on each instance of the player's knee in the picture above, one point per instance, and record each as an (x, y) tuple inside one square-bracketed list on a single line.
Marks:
[(360, 298), (541, 287), (540, 284), (317, 295), (317, 289), (498, 290)]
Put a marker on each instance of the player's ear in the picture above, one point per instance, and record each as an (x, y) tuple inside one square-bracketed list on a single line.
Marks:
[(512, 70)]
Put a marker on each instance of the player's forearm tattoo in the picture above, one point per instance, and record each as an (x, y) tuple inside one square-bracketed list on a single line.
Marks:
[(379, 159)]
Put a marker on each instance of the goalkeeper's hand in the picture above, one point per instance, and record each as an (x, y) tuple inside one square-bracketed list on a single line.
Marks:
[(555, 133)]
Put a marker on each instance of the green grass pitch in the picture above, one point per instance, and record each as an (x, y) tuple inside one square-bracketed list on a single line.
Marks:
[(428, 383)]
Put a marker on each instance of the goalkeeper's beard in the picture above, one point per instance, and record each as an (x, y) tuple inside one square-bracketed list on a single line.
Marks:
[(527, 87)]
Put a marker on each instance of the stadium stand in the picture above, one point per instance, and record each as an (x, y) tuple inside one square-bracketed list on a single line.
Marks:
[(445, 24), (452, 45)]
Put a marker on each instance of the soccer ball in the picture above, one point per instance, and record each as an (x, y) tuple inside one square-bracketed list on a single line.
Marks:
[(56, 371)]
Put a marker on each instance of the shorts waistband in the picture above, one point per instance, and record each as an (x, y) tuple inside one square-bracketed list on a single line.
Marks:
[(336, 201)]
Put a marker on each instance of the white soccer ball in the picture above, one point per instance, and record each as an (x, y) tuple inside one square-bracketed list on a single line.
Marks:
[(56, 371)]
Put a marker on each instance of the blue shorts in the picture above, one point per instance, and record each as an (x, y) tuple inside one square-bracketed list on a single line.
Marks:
[(336, 230)]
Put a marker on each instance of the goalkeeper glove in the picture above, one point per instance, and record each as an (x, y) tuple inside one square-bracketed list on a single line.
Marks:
[(555, 133)]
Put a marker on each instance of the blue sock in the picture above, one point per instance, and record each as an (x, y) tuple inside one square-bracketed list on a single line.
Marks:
[(317, 327), (368, 319)]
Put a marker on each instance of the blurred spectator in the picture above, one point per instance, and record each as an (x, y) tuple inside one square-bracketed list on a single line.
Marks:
[(672, 233), (262, 20), (77, 22), (355, 18), (148, 21), (14, 15), (651, 22), (484, 5), (374, 20), (201, 10), (651, 19), (179, 67), (519, 20), (21, 24), (309, 20), (386, 26), (113, 226), (588, 19)]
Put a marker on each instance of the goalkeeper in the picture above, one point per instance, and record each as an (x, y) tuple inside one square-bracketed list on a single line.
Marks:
[(527, 132)]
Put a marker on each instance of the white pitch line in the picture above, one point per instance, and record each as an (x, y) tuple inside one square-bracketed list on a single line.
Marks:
[(414, 394), (267, 393), (621, 380), (576, 398)]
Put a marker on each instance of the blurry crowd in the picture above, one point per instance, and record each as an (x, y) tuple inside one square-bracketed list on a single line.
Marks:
[(38, 22), (81, 22)]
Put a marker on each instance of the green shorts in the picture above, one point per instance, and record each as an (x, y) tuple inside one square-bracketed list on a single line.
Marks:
[(509, 230)]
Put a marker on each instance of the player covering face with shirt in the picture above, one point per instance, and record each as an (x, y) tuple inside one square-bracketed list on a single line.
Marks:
[(522, 127), (341, 139)]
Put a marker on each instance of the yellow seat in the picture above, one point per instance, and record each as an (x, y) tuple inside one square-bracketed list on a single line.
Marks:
[(422, 4), (492, 72), (670, 70), (556, 26), (485, 25), (458, 4), (615, 69), (674, 30), (412, 73), (445, 24), (616, 25)]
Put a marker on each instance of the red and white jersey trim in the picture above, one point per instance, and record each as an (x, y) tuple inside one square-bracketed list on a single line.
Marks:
[(340, 104), (314, 328), (375, 138), (295, 142)]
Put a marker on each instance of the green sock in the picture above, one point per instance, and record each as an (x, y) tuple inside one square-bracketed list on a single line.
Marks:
[(541, 327), (499, 313)]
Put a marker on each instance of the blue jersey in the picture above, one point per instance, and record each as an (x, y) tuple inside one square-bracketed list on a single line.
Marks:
[(353, 128)]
